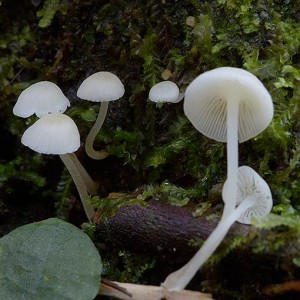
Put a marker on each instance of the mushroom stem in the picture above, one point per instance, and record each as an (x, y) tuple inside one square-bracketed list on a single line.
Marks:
[(232, 157), (90, 184), (89, 143), (80, 184), (179, 279)]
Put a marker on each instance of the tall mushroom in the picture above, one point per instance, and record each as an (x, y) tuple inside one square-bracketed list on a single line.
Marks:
[(165, 91), (228, 105), (254, 199), (57, 133), (45, 97), (101, 87)]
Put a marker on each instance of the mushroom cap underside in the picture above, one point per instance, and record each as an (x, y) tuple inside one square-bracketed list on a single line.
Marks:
[(207, 96), (251, 184)]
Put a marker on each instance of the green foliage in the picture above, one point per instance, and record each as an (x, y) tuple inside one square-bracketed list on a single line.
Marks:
[(130, 267), (266, 44), (51, 259), (147, 53), (168, 192), (127, 145), (283, 236), (47, 13), (162, 154), (134, 267), (272, 220), (107, 207), (165, 192), (234, 243), (14, 169)]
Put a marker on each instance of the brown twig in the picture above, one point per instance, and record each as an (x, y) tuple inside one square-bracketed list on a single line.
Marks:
[(282, 288), (147, 292)]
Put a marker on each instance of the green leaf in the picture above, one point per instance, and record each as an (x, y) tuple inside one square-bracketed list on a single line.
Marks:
[(51, 259)]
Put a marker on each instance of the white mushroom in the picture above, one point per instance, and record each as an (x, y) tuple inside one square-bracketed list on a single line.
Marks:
[(57, 133), (43, 97), (99, 87), (254, 200), (251, 187), (228, 105), (165, 91)]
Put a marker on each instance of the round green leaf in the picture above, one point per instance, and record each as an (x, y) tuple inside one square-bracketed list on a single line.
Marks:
[(51, 259)]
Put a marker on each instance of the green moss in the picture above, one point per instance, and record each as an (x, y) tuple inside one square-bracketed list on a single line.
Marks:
[(108, 206), (47, 13), (283, 236), (170, 193), (126, 267)]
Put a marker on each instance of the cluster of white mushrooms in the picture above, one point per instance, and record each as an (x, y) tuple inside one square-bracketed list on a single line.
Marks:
[(226, 104), (56, 133)]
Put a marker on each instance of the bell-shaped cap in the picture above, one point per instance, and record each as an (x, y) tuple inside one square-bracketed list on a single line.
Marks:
[(206, 99), (165, 91), (41, 98), (52, 134), (102, 86), (250, 184)]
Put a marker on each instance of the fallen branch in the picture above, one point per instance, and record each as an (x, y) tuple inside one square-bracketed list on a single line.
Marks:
[(164, 232), (160, 229), (130, 291)]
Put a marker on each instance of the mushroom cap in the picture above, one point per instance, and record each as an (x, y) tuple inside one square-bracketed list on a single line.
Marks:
[(165, 91), (43, 97), (250, 184), (102, 86), (52, 134), (206, 100)]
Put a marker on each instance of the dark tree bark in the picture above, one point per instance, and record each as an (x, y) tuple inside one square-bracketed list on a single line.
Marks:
[(160, 229)]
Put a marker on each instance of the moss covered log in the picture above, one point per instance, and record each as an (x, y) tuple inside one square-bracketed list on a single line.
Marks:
[(171, 235), (159, 228)]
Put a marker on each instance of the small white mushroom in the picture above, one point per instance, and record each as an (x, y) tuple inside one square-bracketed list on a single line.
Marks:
[(229, 105), (57, 133), (99, 87), (255, 200), (251, 187), (165, 91), (43, 97)]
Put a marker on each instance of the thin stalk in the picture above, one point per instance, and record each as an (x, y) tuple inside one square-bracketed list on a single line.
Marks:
[(89, 143), (90, 184), (79, 183), (232, 157), (179, 279)]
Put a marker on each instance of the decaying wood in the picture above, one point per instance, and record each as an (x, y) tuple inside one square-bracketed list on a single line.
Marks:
[(129, 291), (160, 229), (164, 232), (284, 288)]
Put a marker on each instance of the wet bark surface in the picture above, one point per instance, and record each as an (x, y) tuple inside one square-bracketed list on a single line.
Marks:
[(160, 229)]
